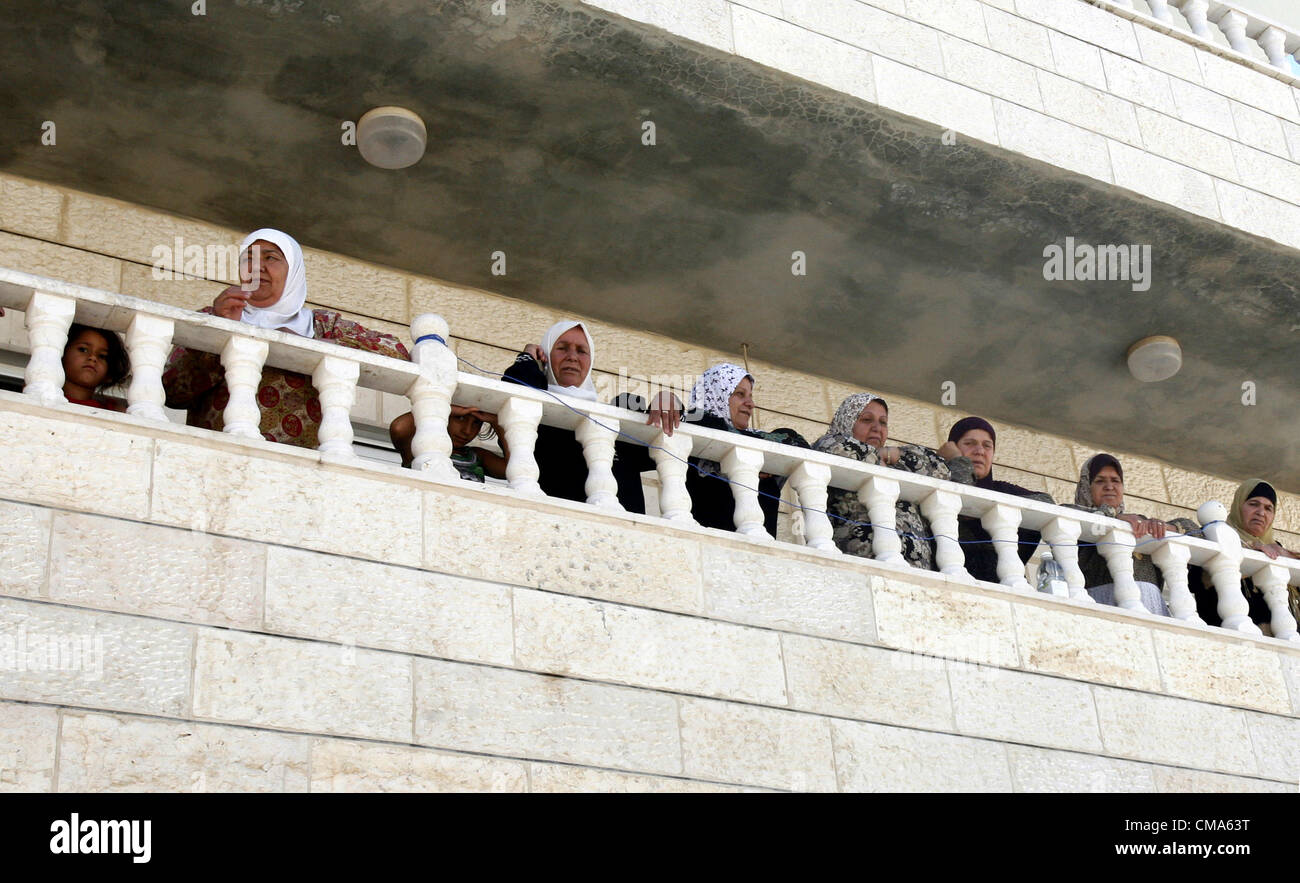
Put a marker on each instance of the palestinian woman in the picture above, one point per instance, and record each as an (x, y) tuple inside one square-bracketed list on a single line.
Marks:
[(1101, 490), (289, 404), (976, 439), (1254, 507), (723, 399), (858, 431)]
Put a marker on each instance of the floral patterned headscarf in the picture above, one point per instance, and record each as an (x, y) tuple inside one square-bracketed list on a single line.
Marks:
[(712, 392), (846, 416)]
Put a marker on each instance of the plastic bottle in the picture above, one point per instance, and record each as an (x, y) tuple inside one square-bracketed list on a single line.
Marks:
[(1051, 576)]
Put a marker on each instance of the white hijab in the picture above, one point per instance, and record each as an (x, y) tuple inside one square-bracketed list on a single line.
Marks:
[(289, 312), (585, 390)]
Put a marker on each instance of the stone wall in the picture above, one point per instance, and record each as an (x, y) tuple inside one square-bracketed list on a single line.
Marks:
[(252, 618)]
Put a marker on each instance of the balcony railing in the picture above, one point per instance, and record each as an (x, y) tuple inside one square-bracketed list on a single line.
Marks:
[(433, 382)]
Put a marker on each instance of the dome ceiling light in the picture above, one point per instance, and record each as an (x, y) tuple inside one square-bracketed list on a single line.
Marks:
[(1156, 358), (391, 137)]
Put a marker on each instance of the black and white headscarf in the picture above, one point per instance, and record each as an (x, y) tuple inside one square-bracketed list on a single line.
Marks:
[(712, 392)]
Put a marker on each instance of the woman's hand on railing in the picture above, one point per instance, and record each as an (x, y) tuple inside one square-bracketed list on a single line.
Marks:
[(665, 412), (1145, 527), (230, 303)]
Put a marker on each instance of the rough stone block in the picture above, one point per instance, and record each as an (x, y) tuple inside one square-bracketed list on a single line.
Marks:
[(301, 685), (91, 659), (291, 503), (756, 746), (964, 18), (1090, 108), (343, 283), (29, 208), (497, 711), (1258, 213), (945, 622), (59, 262), (1077, 60), (1164, 180), (393, 608), (1098, 26), (186, 293), (1201, 107), (803, 53), (704, 21), (869, 757), (933, 99), (1086, 648), (107, 753), (340, 765), (1191, 489), (24, 546), (132, 232), (1227, 672), (990, 72), (1019, 37), (1275, 739), (562, 552), (1174, 731), (1248, 86), (1043, 771), (549, 778), (1018, 707), (867, 683), (1291, 671), (1292, 133), (867, 27), (156, 571), (1036, 452), (1135, 82), (1169, 54), (787, 593), (646, 648), (484, 317), (1173, 780), (1051, 140), (1186, 144), (28, 737), (1264, 171)]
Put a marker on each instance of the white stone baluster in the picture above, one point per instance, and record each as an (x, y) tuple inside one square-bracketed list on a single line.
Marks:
[(1117, 546), (1233, 25), (1003, 524), (1195, 11), (430, 396), (1225, 568), (335, 379), (519, 419), (149, 340), (1160, 10), (48, 318), (1062, 534), (1271, 580), (741, 466), (670, 456), (810, 481), (1273, 41), (597, 438), (941, 509), (880, 496), (243, 357), (1172, 558)]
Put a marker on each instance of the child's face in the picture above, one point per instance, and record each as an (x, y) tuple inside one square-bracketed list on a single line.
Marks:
[(85, 361), (463, 429)]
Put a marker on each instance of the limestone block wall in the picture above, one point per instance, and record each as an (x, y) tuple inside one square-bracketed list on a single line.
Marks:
[(237, 615), (1062, 81), (110, 244)]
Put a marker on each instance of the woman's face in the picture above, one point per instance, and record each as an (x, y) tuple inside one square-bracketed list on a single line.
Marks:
[(978, 446), (741, 403), (571, 358), (272, 269), (1107, 487), (872, 427), (463, 429), (85, 361), (1257, 514)]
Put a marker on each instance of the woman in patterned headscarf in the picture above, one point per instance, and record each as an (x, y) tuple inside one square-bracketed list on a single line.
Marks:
[(858, 431), (1253, 509), (723, 399)]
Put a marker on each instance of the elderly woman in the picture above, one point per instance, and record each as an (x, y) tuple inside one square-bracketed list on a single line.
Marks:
[(976, 439), (723, 399), (1253, 509), (1101, 490), (273, 295), (858, 431)]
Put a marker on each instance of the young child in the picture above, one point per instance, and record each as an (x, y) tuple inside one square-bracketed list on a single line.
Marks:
[(464, 425), (93, 360)]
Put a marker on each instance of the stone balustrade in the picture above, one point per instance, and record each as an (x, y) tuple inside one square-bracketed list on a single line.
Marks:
[(1243, 29), (432, 382)]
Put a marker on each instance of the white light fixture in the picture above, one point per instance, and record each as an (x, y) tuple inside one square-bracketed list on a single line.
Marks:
[(391, 137), (1156, 358)]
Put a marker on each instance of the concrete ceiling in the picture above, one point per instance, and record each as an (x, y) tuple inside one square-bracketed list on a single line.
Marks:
[(924, 259)]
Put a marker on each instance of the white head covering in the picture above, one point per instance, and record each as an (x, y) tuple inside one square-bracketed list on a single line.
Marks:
[(713, 390), (289, 312), (586, 389)]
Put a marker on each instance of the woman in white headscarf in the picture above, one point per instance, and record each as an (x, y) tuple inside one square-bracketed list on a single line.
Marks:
[(723, 399), (272, 295), (859, 430)]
